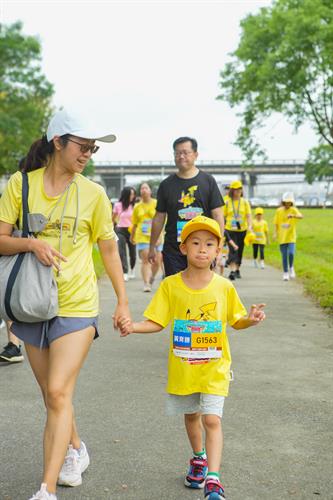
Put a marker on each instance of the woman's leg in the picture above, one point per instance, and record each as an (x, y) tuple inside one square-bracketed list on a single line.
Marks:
[(122, 248), (262, 251), (255, 251), (284, 253), (145, 266), (240, 243), (132, 252), (157, 264), (291, 254), (65, 358)]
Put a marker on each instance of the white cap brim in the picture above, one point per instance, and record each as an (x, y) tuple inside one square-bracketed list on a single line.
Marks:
[(63, 123)]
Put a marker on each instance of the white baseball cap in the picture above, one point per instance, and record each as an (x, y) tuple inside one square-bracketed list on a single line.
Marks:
[(288, 197), (64, 123)]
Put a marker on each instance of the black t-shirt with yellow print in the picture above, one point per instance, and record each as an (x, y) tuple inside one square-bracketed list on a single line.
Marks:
[(184, 199)]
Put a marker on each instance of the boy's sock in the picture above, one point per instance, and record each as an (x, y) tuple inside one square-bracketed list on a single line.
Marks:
[(200, 454), (213, 475)]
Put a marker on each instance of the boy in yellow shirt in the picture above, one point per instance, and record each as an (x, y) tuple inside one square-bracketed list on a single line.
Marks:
[(198, 304), (260, 229)]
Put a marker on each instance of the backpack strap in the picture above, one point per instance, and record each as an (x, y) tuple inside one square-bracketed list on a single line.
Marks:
[(25, 205)]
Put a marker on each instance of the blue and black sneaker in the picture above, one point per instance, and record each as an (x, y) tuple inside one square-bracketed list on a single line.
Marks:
[(214, 490), (197, 473)]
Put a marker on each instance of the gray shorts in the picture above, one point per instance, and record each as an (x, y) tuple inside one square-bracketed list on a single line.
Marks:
[(41, 334), (206, 404)]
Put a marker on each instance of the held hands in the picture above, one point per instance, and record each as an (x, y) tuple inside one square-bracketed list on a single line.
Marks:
[(46, 254), (121, 313), (256, 314), (125, 325)]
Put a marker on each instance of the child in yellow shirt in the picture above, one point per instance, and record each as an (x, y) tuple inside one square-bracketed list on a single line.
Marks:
[(260, 229), (198, 303)]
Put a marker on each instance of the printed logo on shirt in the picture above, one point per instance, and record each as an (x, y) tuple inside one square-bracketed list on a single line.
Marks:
[(52, 228), (188, 198), (186, 214)]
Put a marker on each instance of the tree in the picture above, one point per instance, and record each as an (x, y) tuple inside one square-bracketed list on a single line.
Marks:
[(283, 64), (25, 95)]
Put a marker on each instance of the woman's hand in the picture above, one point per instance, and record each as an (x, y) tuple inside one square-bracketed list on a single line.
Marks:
[(125, 325), (46, 254), (121, 311)]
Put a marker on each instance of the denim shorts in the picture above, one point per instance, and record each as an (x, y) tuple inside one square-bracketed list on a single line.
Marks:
[(41, 334), (206, 404), (145, 246)]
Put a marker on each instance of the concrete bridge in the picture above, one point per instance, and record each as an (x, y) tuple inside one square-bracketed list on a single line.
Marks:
[(112, 174)]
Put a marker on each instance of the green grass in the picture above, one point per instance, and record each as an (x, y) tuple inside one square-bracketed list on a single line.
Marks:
[(99, 267), (314, 253)]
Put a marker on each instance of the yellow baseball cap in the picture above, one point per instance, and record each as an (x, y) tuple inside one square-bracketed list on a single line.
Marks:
[(236, 185), (258, 211), (200, 223)]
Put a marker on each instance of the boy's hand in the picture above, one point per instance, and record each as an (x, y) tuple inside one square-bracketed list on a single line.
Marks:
[(256, 314), (125, 326)]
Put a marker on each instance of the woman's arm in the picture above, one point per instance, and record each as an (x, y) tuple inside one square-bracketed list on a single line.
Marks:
[(112, 264)]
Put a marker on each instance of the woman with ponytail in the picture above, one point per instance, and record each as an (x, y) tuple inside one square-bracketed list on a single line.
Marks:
[(78, 214)]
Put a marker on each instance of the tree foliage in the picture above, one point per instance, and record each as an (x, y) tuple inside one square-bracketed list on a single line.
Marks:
[(25, 95), (283, 64), (319, 164)]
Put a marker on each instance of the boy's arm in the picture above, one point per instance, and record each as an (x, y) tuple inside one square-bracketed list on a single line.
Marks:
[(255, 316), (126, 326)]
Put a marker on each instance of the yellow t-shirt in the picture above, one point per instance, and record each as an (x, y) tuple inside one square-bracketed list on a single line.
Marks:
[(260, 229), (77, 283), (199, 354), (143, 214), (236, 211), (286, 228)]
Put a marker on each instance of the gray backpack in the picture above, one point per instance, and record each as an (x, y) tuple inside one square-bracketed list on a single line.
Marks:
[(28, 290)]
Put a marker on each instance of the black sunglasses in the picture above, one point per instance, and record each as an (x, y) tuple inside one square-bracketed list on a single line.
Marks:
[(84, 148)]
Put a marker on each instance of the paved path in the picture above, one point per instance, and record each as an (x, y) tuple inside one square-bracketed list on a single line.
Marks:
[(278, 421)]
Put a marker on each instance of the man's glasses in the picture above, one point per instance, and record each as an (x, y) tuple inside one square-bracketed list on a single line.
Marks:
[(183, 153), (84, 148)]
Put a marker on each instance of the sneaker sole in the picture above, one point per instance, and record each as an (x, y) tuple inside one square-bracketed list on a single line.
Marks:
[(194, 486), (14, 359), (62, 482)]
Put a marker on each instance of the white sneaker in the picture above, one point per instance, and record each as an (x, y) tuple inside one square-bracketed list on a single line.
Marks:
[(255, 263), (126, 278), (43, 494), (131, 274), (2, 323), (285, 276), (262, 264), (292, 273), (84, 457), (70, 474), (147, 287)]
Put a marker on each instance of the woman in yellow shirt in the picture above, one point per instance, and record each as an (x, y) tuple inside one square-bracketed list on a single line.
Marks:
[(237, 214), (285, 220), (142, 219), (77, 212)]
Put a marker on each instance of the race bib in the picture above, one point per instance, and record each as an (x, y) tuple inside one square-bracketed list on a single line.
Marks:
[(286, 225), (146, 227), (180, 225), (197, 339)]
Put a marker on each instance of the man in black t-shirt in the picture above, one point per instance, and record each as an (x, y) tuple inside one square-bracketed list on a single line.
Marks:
[(181, 197)]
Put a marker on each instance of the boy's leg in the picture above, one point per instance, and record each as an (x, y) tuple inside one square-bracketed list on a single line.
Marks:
[(194, 429), (196, 475), (214, 442)]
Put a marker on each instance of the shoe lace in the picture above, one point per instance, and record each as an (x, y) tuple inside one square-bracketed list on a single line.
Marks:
[(214, 487), (70, 461), (197, 466)]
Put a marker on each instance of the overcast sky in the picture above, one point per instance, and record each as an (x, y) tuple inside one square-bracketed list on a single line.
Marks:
[(149, 71)]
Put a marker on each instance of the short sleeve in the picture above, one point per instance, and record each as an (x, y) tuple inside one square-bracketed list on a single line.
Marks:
[(117, 208), (11, 199), (236, 310), (215, 197), (161, 205), (158, 309), (102, 226)]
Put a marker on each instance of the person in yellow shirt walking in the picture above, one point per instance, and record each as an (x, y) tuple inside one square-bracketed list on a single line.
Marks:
[(285, 220), (75, 213), (260, 229), (198, 303), (142, 218), (237, 214)]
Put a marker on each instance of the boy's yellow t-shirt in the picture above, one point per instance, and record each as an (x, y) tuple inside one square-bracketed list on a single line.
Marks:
[(260, 229), (77, 283), (143, 214), (286, 230), (199, 354), (236, 211)]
